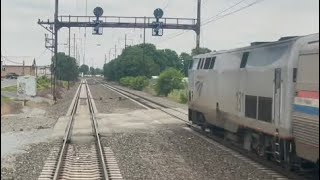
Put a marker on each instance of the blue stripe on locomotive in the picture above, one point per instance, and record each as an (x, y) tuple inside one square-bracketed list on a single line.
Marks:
[(314, 111)]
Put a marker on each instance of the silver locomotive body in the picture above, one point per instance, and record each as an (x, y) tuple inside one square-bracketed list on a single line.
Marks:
[(265, 96)]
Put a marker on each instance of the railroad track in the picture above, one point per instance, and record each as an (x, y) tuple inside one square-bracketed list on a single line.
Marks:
[(275, 171), (146, 102), (81, 155)]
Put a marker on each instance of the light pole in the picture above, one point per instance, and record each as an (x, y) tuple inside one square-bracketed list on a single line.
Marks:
[(125, 41), (115, 49)]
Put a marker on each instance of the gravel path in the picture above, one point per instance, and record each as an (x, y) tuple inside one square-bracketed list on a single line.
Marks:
[(173, 153), (27, 165), (108, 101)]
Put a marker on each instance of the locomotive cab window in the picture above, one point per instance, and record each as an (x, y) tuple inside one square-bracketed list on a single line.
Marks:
[(199, 63), (202, 62), (244, 60), (207, 63), (213, 61)]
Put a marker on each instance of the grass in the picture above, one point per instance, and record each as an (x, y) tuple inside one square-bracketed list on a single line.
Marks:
[(9, 89), (151, 87), (5, 100), (179, 95), (43, 85)]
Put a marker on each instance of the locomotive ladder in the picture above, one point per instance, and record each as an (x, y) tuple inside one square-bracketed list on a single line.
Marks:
[(277, 150)]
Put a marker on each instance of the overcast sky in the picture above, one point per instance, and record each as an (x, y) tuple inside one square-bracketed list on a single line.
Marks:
[(267, 20)]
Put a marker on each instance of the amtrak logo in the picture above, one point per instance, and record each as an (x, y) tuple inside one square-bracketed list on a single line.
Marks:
[(199, 86)]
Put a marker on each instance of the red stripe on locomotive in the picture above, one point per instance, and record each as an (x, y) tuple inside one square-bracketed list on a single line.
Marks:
[(308, 94)]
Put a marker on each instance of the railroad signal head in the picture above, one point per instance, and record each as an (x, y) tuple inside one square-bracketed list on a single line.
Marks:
[(158, 13), (98, 11), (157, 29)]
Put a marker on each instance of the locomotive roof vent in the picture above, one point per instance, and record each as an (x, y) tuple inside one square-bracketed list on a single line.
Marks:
[(287, 37), (258, 43)]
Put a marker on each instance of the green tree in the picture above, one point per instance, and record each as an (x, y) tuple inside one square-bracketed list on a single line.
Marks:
[(92, 71), (84, 69), (169, 80), (99, 71), (132, 63), (186, 60), (67, 68), (196, 51)]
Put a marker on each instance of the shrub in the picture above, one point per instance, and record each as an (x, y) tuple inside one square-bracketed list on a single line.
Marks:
[(179, 96), (137, 83), (169, 80), (183, 97), (43, 83)]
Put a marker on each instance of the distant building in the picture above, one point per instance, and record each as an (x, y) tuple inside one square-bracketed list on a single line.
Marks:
[(24, 67), (43, 71)]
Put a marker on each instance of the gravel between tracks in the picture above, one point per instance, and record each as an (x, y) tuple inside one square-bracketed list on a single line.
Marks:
[(162, 100), (108, 101), (29, 163), (173, 153)]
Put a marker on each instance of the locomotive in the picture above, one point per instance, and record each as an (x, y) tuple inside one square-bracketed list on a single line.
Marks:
[(264, 96)]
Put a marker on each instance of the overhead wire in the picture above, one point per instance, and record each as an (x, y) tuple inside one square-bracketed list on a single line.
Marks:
[(181, 33), (218, 17), (235, 11), (228, 8), (166, 4)]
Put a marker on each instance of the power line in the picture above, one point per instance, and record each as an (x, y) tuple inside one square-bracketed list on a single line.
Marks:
[(14, 62), (43, 52), (235, 11), (166, 4), (210, 20), (230, 7), (179, 34)]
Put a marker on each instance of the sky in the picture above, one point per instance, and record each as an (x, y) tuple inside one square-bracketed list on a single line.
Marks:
[(267, 20)]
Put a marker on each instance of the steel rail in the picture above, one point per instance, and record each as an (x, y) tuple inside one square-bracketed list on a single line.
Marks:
[(97, 135)]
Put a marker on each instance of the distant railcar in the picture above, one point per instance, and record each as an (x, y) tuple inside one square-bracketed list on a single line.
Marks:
[(265, 96)]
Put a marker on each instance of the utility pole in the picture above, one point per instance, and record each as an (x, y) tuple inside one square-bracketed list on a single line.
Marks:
[(85, 36), (144, 44), (125, 41), (69, 41), (198, 30), (115, 51), (109, 54), (55, 49), (105, 59), (74, 43), (23, 68)]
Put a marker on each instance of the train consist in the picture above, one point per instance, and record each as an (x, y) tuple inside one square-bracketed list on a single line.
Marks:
[(265, 96)]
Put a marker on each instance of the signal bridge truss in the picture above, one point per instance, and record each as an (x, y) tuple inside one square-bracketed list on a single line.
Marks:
[(157, 24)]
